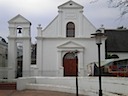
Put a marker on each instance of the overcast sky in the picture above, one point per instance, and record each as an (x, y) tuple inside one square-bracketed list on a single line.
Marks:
[(44, 11)]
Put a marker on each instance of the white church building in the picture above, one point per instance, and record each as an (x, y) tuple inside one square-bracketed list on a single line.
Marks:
[(64, 47)]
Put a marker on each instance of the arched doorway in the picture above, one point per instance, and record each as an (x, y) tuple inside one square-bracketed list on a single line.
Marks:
[(70, 62)]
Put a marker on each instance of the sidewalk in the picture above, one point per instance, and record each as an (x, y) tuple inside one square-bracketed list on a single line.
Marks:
[(34, 93)]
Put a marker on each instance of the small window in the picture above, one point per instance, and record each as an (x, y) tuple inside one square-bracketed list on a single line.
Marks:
[(70, 4), (70, 31)]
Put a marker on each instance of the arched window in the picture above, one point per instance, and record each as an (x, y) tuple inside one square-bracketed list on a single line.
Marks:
[(70, 29)]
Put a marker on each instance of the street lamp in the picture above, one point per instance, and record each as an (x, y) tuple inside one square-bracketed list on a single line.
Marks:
[(99, 36), (75, 52)]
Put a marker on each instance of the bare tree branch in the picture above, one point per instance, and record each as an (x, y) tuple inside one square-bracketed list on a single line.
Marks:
[(121, 4)]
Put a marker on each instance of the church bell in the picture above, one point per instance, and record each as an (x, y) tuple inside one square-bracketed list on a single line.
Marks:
[(19, 30)]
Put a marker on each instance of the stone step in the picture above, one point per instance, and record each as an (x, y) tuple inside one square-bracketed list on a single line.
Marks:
[(59, 88), (67, 89), (7, 86)]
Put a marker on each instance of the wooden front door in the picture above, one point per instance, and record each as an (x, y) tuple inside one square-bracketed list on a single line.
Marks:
[(70, 64)]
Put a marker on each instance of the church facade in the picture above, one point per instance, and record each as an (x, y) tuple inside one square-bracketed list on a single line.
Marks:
[(64, 47)]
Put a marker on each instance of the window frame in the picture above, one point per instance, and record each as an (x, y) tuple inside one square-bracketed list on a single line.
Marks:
[(70, 29)]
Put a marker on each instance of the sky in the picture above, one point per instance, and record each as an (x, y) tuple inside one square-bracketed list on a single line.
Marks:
[(44, 11)]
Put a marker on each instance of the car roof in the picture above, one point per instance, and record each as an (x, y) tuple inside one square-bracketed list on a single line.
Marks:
[(108, 61)]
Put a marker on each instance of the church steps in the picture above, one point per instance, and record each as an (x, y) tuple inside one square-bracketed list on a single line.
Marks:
[(60, 88)]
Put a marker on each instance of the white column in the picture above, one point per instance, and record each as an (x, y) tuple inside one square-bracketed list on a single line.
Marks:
[(12, 31), (60, 22), (80, 26), (60, 64), (81, 63), (26, 32), (12, 58), (39, 28), (26, 57), (39, 55), (39, 50)]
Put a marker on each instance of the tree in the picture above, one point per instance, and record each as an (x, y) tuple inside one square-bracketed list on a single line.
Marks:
[(121, 4)]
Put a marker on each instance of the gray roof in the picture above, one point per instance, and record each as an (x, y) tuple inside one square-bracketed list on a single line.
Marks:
[(117, 40), (2, 40)]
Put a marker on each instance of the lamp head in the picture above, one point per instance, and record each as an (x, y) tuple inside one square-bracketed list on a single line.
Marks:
[(98, 36)]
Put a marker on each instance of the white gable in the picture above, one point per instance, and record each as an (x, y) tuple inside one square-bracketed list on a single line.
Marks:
[(51, 29), (19, 18), (69, 12), (70, 4), (71, 44)]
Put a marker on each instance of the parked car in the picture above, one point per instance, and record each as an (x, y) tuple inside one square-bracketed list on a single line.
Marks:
[(111, 67)]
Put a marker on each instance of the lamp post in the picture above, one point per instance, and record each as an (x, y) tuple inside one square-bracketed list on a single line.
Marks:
[(99, 36), (75, 52)]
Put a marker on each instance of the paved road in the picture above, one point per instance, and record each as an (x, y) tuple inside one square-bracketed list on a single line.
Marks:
[(34, 93)]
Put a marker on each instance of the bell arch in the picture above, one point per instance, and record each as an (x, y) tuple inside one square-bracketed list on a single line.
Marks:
[(19, 32)]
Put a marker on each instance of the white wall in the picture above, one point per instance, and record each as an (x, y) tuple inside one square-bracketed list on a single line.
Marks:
[(13, 39), (50, 64), (22, 82), (54, 35), (111, 86), (57, 28)]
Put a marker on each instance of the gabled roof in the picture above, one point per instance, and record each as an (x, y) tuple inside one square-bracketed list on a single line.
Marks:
[(117, 40), (19, 18), (70, 4), (70, 44)]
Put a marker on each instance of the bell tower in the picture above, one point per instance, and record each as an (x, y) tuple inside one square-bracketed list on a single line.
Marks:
[(19, 47)]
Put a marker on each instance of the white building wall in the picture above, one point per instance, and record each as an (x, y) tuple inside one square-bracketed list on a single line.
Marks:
[(51, 29), (55, 43), (26, 57), (57, 28), (50, 55), (111, 86), (12, 53)]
